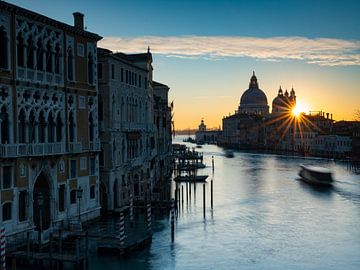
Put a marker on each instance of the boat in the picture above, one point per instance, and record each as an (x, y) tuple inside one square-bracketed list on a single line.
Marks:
[(316, 175), (229, 153)]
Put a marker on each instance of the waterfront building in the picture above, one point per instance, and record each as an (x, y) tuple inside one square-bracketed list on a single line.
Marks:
[(48, 122), (332, 146), (202, 135), (163, 132), (134, 122)]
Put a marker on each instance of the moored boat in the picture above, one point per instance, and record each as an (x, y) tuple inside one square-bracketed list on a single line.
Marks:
[(187, 178), (316, 175)]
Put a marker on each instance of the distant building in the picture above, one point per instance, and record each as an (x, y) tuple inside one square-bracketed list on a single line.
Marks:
[(48, 122), (202, 135)]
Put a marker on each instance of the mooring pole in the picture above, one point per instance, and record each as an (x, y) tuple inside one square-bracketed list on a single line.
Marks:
[(182, 195), (212, 161), (211, 193), (204, 199), (172, 219)]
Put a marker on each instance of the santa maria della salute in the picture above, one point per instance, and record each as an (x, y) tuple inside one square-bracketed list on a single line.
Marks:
[(252, 126)]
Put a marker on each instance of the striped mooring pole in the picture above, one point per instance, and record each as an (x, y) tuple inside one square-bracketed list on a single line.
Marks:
[(131, 208), (3, 244), (172, 219), (148, 217), (122, 229)]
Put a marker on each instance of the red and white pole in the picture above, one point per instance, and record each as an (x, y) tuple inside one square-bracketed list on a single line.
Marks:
[(2, 247)]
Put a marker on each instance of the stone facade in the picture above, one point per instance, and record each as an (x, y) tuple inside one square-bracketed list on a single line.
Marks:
[(134, 120), (48, 121)]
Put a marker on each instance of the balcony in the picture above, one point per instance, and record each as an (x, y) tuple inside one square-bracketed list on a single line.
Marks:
[(39, 76), (75, 147), (33, 149)]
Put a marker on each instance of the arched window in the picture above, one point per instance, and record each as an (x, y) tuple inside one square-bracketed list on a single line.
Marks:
[(73, 196), (57, 59), (4, 116), (41, 127), (70, 58), (22, 205), (20, 50), (49, 60), (91, 128), (6, 211), (30, 53), (40, 55), (71, 127), (90, 68), (59, 128), (51, 128), (32, 127), (4, 61), (22, 127)]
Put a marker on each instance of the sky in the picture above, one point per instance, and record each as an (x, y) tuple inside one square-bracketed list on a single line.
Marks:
[(206, 50)]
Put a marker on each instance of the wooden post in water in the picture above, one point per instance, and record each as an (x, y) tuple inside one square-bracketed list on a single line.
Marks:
[(204, 198), (179, 198), (187, 195), (212, 161), (211, 193), (182, 195), (175, 202), (172, 219)]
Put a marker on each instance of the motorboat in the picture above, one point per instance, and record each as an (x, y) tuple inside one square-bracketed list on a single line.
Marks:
[(316, 175), (229, 153)]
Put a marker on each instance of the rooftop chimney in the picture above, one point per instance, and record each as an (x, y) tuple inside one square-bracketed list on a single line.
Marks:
[(327, 115), (79, 20)]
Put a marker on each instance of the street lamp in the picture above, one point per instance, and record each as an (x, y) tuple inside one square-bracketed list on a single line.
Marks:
[(40, 201), (79, 193)]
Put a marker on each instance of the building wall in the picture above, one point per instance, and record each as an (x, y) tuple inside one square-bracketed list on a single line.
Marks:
[(37, 96)]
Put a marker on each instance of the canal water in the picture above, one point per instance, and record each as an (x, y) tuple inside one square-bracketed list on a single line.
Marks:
[(264, 217)]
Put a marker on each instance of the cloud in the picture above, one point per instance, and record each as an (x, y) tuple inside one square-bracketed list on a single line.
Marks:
[(320, 51)]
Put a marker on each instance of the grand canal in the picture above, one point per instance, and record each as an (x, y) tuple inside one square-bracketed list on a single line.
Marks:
[(263, 218)]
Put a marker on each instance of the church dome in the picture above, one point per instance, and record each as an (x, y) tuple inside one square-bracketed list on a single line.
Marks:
[(253, 95), (253, 100)]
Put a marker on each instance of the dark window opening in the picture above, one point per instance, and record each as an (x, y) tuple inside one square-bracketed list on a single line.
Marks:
[(100, 71), (4, 116), (73, 196), (40, 56), (4, 61), (20, 50), (92, 192), (30, 53), (49, 60), (61, 198), (70, 70), (6, 211), (73, 168), (22, 205), (58, 128), (90, 68)]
